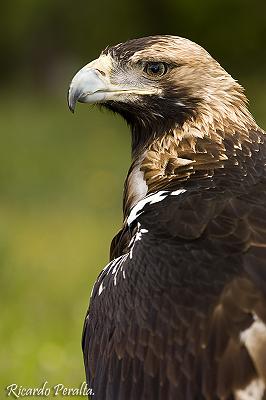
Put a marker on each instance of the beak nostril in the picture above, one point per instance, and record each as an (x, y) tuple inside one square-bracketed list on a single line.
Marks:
[(101, 72)]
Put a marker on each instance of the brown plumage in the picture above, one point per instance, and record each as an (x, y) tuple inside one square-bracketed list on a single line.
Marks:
[(180, 311)]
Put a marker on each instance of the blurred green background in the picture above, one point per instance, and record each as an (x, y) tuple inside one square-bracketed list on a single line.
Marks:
[(61, 176)]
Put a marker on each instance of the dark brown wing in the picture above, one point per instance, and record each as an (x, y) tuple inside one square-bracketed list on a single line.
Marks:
[(167, 322), (181, 314)]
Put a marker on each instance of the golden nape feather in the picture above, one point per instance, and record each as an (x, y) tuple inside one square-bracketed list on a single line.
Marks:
[(179, 311)]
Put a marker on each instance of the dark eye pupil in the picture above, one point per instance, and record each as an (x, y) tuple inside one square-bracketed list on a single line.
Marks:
[(156, 68)]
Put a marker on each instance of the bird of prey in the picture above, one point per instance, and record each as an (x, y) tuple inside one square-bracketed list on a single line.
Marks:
[(179, 313)]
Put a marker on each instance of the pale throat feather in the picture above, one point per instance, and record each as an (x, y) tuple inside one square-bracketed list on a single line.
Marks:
[(135, 187)]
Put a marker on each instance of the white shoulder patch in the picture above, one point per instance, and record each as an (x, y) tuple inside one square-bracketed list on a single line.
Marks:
[(150, 199), (177, 192), (101, 288), (116, 266)]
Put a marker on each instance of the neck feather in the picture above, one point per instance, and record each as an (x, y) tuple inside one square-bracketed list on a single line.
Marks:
[(191, 151)]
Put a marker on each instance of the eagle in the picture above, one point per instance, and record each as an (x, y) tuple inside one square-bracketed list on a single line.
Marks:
[(179, 313)]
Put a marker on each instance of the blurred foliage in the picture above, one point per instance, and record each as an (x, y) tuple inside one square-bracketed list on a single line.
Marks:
[(42, 40), (60, 204), (61, 176)]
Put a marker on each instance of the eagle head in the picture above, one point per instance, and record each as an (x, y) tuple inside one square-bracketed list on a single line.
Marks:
[(155, 83)]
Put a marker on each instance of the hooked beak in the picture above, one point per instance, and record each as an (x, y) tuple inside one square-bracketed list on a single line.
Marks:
[(87, 86)]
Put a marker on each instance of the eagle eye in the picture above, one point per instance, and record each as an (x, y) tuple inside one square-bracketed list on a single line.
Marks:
[(155, 69)]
